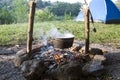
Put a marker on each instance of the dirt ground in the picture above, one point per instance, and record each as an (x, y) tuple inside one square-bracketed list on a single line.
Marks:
[(9, 72)]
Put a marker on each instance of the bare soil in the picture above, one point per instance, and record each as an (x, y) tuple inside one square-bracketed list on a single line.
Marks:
[(9, 72)]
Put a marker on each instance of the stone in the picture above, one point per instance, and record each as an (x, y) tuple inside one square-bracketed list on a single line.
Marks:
[(92, 67), (96, 51), (20, 57), (68, 71), (101, 58), (33, 69), (6, 52), (15, 48)]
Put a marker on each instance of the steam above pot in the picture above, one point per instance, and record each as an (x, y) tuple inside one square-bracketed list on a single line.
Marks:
[(65, 35)]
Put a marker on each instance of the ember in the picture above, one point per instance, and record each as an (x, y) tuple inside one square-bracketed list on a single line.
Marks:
[(48, 52)]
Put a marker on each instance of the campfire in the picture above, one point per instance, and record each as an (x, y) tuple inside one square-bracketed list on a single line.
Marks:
[(58, 57), (49, 62), (61, 58)]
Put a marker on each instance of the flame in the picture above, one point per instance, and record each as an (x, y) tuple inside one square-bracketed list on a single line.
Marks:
[(57, 58)]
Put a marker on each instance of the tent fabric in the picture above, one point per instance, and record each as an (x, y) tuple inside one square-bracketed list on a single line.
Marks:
[(103, 11)]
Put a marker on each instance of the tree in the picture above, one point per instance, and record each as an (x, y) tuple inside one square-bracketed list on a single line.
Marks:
[(13, 11), (43, 15), (42, 4), (20, 10), (61, 8), (6, 16)]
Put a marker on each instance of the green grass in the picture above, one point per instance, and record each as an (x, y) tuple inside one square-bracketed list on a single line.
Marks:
[(17, 33), (13, 34)]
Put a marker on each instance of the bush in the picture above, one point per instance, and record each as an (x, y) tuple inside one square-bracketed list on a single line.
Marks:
[(6, 14), (68, 16), (43, 15), (6, 17), (12, 11)]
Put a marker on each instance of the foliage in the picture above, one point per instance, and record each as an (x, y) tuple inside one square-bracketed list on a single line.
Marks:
[(21, 9), (16, 11), (43, 15), (60, 8), (6, 16), (16, 33), (68, 16), (13, 11), (42, 4)]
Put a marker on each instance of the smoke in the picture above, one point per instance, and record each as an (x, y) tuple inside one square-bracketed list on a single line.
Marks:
[(54, 33), (59, 33)]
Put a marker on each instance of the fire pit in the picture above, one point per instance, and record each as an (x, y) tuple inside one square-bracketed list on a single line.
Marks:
[(48, 62)]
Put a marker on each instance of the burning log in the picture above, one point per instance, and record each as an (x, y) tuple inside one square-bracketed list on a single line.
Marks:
[(57, 58), (76, 48)]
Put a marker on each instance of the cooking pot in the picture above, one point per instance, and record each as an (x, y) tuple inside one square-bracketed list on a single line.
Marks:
[(63, 42)]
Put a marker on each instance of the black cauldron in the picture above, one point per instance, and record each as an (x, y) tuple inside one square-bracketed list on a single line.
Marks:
[(62, 43)]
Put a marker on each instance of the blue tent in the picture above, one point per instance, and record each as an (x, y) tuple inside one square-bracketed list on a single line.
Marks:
[(103, 11)]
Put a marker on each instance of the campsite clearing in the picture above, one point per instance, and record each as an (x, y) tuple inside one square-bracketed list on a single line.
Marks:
[(16, 33)]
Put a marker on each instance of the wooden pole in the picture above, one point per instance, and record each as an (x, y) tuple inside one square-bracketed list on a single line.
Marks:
[(30, 26), (87, 29)]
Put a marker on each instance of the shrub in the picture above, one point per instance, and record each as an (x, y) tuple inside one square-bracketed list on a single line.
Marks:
[(68, 16), (6, 17), (43, 15)]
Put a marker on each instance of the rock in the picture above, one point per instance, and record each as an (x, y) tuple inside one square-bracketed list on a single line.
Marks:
[(15, 48), (101, 58), (68, 71), (20, 57), (33, 69), (91, 56), (92, 67), (96, 51), (6, 52)]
